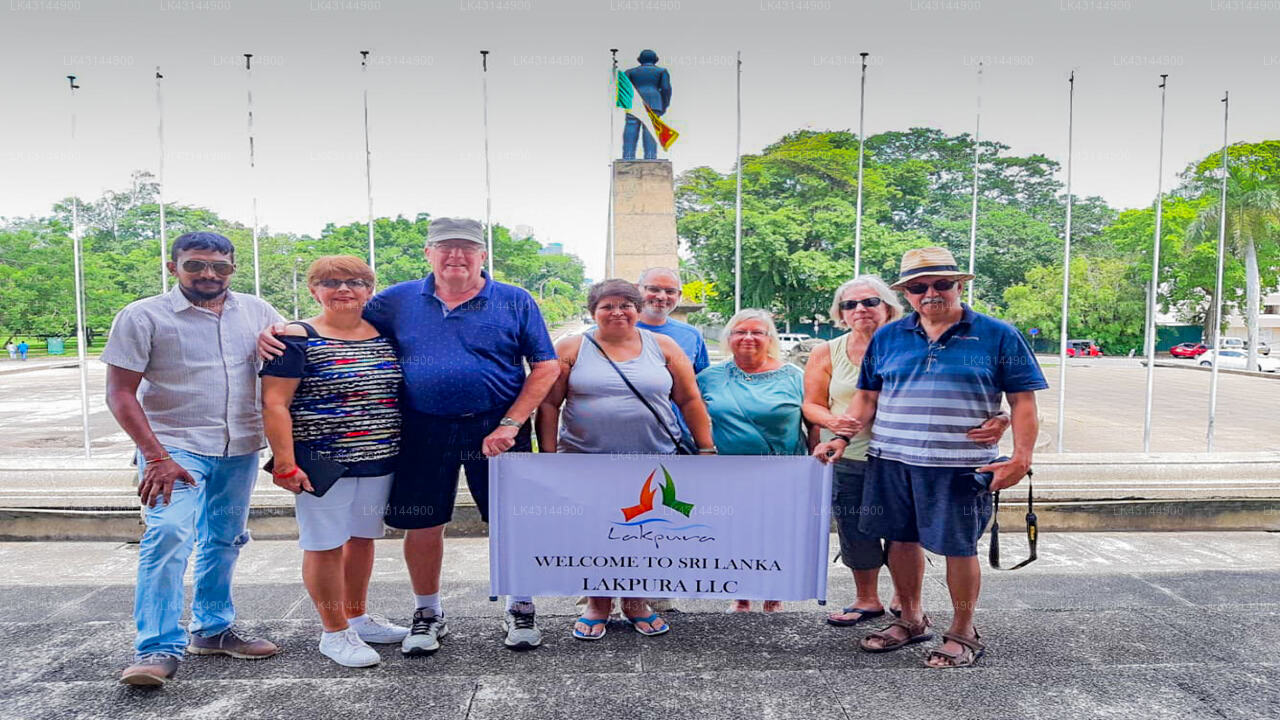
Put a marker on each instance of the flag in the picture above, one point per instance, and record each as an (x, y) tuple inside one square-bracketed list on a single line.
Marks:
[(627, 100)]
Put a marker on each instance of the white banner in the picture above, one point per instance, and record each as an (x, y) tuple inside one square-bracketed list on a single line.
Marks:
[(659, 526)]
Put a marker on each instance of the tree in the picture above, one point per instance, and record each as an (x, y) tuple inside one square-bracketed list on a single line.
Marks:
[(1104, 305)]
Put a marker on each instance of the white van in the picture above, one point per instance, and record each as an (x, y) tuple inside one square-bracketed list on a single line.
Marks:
[(788, 341)]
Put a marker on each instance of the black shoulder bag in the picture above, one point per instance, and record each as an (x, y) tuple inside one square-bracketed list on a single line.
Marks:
[(682, 448)]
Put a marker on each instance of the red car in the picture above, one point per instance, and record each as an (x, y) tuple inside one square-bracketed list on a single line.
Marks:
[(1188, 350), (1083, 348)]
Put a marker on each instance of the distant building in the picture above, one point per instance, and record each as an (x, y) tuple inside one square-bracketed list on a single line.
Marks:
[(1268, 321), (554, 248)]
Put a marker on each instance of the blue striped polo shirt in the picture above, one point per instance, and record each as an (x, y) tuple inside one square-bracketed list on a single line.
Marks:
[(933, 392)]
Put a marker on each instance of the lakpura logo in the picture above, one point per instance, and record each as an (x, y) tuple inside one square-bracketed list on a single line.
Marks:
[(668, 497), (633, 528)]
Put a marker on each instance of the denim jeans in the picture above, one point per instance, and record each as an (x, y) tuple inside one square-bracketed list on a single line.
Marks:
[(211, 516), (630, 132)]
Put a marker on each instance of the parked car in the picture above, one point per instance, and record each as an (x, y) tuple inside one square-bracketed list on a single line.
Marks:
[(1188, 350), (1083, 348), (787, 341), (799, 354), (1238, 360), (1232, 343)]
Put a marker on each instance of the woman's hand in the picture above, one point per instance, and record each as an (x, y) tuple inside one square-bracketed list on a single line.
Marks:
[(297, 479), (829, 450), (845, 425), (990, 432)]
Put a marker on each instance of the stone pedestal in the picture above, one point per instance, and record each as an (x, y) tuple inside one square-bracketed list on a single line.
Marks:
[(644, 217)]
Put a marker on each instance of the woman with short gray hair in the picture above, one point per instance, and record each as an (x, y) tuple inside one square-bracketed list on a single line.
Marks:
[(862, 305)]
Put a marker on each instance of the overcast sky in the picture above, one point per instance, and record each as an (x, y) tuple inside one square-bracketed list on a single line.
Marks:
[(549, 103)]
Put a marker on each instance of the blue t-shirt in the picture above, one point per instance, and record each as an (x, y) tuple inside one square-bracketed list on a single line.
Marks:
[(470, 360), (686, 336), (755, 413), (932, 393)]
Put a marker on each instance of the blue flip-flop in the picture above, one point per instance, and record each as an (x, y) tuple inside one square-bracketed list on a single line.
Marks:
[(665, 625), (590, 623), (862, 616)]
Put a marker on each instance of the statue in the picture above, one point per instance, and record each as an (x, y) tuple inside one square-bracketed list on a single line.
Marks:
[(654, 85)]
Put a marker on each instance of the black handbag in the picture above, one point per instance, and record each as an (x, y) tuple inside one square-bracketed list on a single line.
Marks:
[(683, 447), (321, 471)]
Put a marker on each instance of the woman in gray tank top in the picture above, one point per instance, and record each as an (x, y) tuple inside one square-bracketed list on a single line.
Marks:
[(601, 414)]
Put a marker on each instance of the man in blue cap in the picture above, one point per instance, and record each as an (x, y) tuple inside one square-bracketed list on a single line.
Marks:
[(654, 85)]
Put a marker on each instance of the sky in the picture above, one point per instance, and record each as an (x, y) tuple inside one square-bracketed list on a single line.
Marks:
[(549, 106)]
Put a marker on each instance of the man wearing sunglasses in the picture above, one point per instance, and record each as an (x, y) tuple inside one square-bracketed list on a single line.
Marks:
[(182, 381), (926, 380)]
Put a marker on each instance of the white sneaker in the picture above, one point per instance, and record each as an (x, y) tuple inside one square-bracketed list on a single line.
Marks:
[(348, 650), (380, 631), (521, 627), (424, 636)]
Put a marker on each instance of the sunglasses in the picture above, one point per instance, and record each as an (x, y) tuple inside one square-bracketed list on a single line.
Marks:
[(334, 283), (922, 288), (994, 554), (848, 305), (221, 267)]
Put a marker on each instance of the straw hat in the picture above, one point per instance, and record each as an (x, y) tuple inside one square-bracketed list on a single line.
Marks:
[(928, 261)]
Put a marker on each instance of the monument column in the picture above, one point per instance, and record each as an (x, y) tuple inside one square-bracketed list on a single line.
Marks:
[(644, 217)]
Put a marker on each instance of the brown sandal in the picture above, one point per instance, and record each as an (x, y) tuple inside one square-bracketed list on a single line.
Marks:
[(915, 634), (968, 656)]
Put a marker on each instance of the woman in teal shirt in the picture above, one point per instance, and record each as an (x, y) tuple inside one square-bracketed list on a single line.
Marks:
[(754, 400)]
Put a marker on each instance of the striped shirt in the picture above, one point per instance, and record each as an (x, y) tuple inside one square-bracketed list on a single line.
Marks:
[(346, 405), (933, 392)]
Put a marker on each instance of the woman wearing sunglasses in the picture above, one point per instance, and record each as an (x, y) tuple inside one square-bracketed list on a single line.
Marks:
[(332, 398), (863, 305)]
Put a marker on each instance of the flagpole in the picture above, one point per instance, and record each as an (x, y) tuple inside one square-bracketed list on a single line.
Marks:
[(253, 184), (488, 193), (1155, 278), (1066, 269), (164, 238), (609, 256), (737, 204), (1217, 292), (78, 270), (973, 211), (368, 154), (857, 223)]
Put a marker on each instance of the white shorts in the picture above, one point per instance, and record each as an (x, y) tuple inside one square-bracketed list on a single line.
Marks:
[(353, 507)]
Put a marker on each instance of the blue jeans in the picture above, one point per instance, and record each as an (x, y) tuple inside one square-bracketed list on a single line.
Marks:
[(212, 515), (630, 132)]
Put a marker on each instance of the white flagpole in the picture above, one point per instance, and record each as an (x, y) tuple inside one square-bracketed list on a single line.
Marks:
[(973, 211), (368, 155), (78, 269), (1217, 292), (1066, 269), (737, 204), (1155, 278), (488, 193), (862, 116), (609, 256), (253, 184), (164, 238)]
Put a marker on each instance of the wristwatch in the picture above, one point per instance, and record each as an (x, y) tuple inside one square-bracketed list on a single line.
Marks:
[(508, 422)]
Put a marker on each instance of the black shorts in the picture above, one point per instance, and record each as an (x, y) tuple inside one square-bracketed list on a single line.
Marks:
[(432, 449)]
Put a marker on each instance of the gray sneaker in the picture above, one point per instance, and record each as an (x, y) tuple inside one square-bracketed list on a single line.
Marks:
[(233, 642), (150, 670), (521, 627), (424, 636)]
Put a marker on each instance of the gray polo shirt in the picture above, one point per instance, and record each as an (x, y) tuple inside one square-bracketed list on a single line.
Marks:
[(199, 369)]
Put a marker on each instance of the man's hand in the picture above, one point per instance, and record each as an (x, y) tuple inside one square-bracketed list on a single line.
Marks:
[(1006, 474), (989, 432), (295, 483), (845, 425), (268, 346), (829, 450), (499, 441), (158, 479)]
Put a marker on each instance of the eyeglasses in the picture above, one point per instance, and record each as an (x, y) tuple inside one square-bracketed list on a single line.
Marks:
[(465, 249), (922, 288), (221, 267), (993, 555), (749, 333), (354, 283), (661, 290), (870, 302)]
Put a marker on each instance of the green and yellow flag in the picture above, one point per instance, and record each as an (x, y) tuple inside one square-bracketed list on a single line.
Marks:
[(635, 106)]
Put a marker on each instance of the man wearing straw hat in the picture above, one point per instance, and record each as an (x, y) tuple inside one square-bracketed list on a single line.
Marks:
[(926, 380)]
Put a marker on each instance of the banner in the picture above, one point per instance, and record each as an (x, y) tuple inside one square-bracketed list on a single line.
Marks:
[(659, 526)]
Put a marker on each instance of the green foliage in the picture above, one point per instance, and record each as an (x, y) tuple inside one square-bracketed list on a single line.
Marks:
[(1105, 306)]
